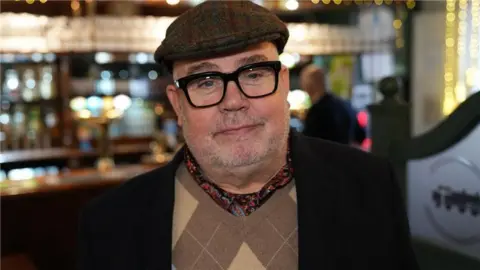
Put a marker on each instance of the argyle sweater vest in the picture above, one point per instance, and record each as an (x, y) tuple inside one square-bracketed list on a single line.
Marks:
[(207, 237)]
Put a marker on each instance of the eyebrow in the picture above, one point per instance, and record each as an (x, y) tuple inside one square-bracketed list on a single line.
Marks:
[(208, 66), (201, 67), (251, 59)]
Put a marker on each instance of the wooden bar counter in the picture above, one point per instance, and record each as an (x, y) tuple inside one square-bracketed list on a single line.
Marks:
[(39, 217)]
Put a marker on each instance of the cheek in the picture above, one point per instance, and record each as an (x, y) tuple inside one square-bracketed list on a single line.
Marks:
[(196, 121), (273, 110)]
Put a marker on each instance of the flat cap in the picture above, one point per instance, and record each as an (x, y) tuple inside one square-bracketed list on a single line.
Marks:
[(217, 27)]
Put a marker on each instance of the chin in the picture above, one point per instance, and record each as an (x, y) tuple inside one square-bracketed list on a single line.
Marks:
[(242, 154)]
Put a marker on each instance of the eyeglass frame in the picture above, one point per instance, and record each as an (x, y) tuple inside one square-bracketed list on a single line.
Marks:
[(183, 82)]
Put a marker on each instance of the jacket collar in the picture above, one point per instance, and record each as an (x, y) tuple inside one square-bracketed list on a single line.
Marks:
[(316, 196), (157, 237)]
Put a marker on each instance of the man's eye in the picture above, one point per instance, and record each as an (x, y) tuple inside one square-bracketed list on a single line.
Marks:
[(255, 75), (206, 84)]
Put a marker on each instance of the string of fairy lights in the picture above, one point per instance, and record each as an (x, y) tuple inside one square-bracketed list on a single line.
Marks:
[(289, 4), (473, 72), (461, 66), (460, 89), (449, 101), (294, 4), (461, 55)]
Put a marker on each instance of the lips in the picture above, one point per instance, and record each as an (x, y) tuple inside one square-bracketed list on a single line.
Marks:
[(237, 130)]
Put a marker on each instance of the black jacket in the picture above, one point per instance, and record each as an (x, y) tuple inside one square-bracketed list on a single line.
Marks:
[(330, 119), (350, 215)]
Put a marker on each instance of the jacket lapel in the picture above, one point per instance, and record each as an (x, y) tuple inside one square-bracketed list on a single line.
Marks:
[(316, 200), (158, 233)]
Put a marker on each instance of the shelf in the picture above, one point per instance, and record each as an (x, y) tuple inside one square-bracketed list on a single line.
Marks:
[(59, 153), (75, 179), (54, 100)]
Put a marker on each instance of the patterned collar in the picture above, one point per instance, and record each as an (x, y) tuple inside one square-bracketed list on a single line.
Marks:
[(239, 204)]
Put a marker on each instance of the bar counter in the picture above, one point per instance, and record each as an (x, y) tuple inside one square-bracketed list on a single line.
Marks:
[(39, 217), (82, 178)]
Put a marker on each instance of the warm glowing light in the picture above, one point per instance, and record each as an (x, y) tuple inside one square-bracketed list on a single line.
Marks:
[(315, 1), (449, 105), (474, 44), (78, 103), (326, 2), (450, 99), (122, 102), (159, 109), (43, 1), (298, 100), (108, 103), (378, 2), (397, 24), (113, 114), (84, 114), (173, 2), (103, 57), (75, 5), (291, 4), (410, 4), (472, 77), (337, 2), (460, 88), (30, 1), (460, 92), (287, 59)]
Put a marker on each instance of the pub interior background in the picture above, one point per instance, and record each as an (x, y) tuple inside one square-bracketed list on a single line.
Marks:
[(83, 106)]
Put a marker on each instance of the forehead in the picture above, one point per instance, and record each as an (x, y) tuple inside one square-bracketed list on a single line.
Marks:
[(265, 51)]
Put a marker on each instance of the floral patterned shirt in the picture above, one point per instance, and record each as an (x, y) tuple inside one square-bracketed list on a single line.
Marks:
[(239, 204)]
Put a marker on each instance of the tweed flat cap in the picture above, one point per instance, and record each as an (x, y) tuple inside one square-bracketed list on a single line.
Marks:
[(216, 27)]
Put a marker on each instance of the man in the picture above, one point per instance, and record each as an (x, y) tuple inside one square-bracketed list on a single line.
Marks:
[(245, 193), (330, 118)]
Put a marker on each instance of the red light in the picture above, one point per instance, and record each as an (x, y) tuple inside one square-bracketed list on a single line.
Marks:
[(366, 144), (362, 118)]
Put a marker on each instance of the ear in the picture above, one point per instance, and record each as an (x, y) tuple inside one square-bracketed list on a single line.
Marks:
[(284, 80), (173, 97)]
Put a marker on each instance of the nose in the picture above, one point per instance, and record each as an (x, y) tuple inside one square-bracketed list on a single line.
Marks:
[(234, 99)]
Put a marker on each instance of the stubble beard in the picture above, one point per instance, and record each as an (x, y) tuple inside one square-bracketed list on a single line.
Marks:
[(244, 153)]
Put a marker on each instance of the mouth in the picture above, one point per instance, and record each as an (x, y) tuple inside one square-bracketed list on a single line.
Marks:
[(238, 130)]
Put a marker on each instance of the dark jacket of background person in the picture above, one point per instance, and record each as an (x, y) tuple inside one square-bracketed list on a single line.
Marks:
[(330, 117)]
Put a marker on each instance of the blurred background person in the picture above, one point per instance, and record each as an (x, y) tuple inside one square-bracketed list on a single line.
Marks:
[(330, 117)]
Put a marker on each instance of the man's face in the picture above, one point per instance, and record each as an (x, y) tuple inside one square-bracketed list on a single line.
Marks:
[(239, 131)]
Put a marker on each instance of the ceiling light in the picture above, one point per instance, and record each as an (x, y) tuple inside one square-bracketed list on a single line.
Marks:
[(291, 4), (173, 2)]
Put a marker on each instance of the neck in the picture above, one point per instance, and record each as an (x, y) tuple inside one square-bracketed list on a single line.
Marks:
[(316, 96), (247, 179)]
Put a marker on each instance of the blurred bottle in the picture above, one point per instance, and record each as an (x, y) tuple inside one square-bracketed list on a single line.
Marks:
[(19, 128), (47, 84), (52, 132), (34, 128), (29, 86), (11, 85), (5, 124)]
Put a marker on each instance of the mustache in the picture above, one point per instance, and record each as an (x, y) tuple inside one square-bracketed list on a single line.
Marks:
[(238, 119)]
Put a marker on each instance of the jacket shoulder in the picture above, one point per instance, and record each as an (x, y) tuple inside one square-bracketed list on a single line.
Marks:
[(343, 155), (129, 199), (354, 168)]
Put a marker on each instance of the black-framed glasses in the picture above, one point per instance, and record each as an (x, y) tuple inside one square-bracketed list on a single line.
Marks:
[(208, 89)]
